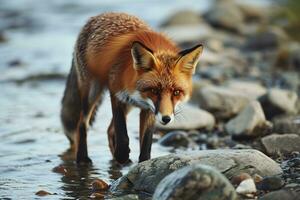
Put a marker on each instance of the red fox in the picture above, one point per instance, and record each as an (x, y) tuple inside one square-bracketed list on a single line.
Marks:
[(139, 67)]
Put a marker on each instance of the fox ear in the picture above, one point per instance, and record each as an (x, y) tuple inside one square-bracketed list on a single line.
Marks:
[(189, 58), (142, 56)]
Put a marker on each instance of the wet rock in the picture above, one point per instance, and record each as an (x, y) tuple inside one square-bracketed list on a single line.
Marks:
[(2, 37), (222, 102), (225, 14), (278, 101), (60, 169), (246, 187), (270, 183), (177, 139), (145, 176), (286, 124), (42, 193), (276, 144), (190, 117), (15, 63), (182, 18), (195, 182), (281, 194), (250, 122), (99, 185), (252, 89), (40, 77)]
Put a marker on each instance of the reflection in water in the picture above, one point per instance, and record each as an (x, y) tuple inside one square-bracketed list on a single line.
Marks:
[(77, 179)]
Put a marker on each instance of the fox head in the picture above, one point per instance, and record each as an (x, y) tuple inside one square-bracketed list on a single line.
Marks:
[(164, 78)]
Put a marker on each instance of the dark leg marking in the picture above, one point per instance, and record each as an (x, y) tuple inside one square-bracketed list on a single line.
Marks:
[(82, 154)]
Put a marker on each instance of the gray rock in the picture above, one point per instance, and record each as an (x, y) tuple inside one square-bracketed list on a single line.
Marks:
[(286, 124), (177, 139), (195, 182), (251, 89), (282, 194), (222, 102), (270, 183), (182, 18), (276, 144), (127, 197), (266, 40), (225, 14), (278, 101), (190, 117), (252, 13), (250, 122), (145, 176)]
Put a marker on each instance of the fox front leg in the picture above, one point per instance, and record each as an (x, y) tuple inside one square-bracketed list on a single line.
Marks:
[(121, 151), (147, 129)]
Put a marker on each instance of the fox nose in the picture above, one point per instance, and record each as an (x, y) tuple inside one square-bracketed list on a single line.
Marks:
[(166, 119)]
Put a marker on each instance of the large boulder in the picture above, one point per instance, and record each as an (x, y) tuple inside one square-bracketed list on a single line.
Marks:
[(278, 101), (251, 89), (195, 182), (250, 122), (190, 117), (224, 103), (281, 194), (146, 176), (276, 144)]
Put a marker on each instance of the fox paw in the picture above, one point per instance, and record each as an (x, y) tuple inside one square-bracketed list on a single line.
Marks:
[(83, 160)]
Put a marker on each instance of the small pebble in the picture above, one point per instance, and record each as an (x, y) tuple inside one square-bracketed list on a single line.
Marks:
[(60, 169), (246, 187), (99, 185), (236, 180), (96, 195), (42, 193)]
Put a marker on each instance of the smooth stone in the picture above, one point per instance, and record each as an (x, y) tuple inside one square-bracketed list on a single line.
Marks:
[(250, 122), (246, 187), (252, 89), (276, 144), (183, 18), (190, 117), (146, 175), (278, 101), (177, 139), (224, 103), (270, 183), (226, 15), (282, 194), (286, 124), (195, 182)]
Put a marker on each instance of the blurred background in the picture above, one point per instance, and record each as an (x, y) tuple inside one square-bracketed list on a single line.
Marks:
[(249, 45)]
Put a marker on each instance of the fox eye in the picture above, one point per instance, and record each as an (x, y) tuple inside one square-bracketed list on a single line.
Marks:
[(176, 92), (154, 91)]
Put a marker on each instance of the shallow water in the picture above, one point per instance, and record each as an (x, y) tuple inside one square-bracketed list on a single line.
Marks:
[(40, 36)]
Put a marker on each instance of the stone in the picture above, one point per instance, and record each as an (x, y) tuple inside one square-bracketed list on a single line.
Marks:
[(182, 18), (246, 187), (190, 117), (269, 39), (276, 144), (286, 124), (278, 101), (127, 197), (225, 14), (250, 122), (146, 175), (195, 182), (252, 89), (252, 13), (177, 139), (222, 102), (99, 184), (281, 194), (270, 183)]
